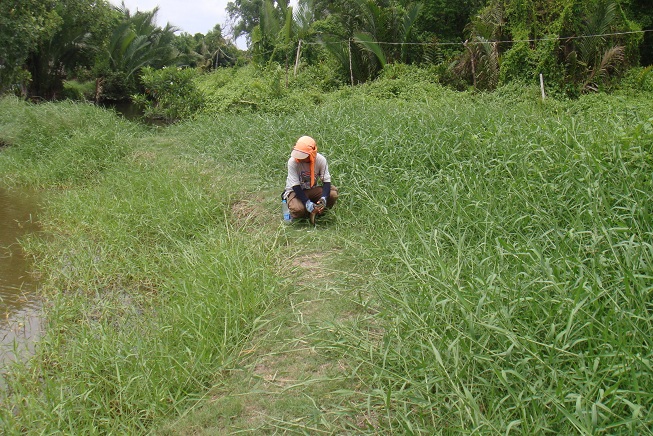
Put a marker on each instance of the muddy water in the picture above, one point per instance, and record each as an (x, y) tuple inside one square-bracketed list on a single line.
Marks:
[(19, 306)]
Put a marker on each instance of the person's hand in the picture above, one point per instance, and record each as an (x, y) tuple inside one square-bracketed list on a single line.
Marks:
[(310, 206), (322, 204)]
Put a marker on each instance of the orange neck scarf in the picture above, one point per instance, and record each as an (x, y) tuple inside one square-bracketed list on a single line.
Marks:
[(307, 145)]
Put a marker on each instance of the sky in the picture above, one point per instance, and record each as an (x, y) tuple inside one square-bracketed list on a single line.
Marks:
[(191, 16)]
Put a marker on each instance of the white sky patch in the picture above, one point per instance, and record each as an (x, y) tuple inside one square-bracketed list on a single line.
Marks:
[(190, 16)]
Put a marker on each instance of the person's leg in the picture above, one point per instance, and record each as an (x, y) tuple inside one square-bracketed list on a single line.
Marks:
[(314, 194), (333, 197), (296, 207)]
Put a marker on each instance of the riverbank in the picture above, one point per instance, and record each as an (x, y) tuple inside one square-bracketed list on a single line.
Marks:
[(20, 324), (490, 254)]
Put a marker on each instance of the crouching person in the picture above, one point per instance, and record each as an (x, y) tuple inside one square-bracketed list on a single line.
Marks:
[(308, 185)]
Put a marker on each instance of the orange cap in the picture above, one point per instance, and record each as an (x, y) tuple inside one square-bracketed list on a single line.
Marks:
[(306, 146)]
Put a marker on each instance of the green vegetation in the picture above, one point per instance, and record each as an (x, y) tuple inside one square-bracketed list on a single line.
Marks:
[(170, 94), (579, 46), (488, 267), (45, 44)]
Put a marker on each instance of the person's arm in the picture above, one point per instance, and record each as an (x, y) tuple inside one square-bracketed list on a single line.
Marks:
[(326, 179), (326, 191), (299, 192), (293, 182)]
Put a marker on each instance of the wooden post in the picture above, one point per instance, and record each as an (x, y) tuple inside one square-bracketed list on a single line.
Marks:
[(299, 48), (287, 69), (351, 70), (472, 60), (98, 89), (542, 86)]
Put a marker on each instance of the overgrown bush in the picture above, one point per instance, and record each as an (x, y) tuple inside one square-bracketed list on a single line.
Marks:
[(517, 64), (115, 86), (75, 90), (638, 79), (408, 82), (170, 93), (269, 89), (323, 77)]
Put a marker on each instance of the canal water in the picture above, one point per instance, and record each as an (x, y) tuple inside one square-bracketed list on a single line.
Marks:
[(20, 323)]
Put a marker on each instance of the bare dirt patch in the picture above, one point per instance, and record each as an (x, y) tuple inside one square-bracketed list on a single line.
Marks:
[(250, 213)]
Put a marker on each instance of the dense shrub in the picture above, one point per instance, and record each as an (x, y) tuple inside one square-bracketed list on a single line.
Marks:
[(170, 93), (518, 64), (638, 79), (76, 90), (270, 89)]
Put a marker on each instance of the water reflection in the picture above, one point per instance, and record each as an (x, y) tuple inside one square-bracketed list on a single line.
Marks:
[(127, 109), (19, 307), (133, 112)]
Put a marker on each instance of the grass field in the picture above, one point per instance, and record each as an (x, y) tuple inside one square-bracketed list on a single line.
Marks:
[(488, 269)]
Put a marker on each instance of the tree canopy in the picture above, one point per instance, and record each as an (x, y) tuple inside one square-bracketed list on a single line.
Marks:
[(580, 45)]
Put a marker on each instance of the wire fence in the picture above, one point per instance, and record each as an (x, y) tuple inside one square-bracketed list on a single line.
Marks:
[(458, 43), (467, 42), (514, 41)]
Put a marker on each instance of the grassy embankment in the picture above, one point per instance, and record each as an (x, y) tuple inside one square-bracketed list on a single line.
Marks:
[(488, 269)]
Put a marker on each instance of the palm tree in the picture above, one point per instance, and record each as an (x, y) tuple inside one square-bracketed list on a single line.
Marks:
[(137, 42), (391, 25), (56, 56), (480, 60), (593, 58), (68, 32), (379, 35)]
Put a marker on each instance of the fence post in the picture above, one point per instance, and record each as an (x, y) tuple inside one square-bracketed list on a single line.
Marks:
[(351, 70), (542, 86), (299, 47)]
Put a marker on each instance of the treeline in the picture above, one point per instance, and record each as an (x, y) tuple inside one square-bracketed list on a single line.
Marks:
[(578, 45), (88, 48)]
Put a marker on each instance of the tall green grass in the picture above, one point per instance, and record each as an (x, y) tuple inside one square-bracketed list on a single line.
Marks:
[(62, 143), (507, 245), (510, 254), (499, 246), (150, 289)]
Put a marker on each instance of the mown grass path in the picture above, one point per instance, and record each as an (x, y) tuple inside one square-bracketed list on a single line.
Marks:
[(288, 379)]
